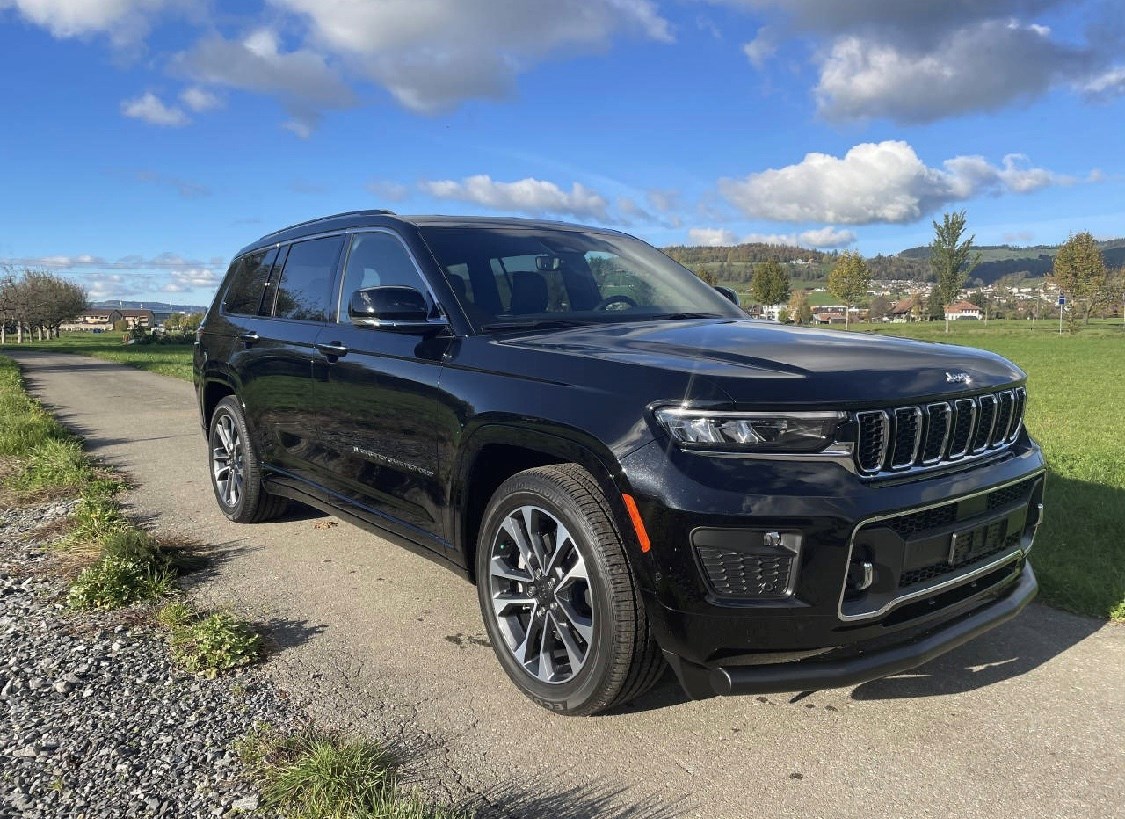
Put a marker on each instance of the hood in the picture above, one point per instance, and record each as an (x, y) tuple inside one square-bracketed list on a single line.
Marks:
[(760, 363)]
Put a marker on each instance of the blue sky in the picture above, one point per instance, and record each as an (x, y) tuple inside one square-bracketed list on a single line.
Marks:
[(145, 141)]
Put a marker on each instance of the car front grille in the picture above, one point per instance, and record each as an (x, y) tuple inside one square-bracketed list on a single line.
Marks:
[(944, 432)]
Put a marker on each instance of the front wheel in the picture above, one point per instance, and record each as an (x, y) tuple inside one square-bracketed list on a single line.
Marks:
[(236, 474), (558, 597)]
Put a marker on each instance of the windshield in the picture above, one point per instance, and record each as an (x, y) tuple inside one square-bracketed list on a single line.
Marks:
[(528, 276)]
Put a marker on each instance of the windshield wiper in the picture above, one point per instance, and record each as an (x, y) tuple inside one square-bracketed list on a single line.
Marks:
[(533, 324), (683, 316)]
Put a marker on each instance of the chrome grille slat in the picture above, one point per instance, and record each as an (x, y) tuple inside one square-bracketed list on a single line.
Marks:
[(943, 432), (908, 437)]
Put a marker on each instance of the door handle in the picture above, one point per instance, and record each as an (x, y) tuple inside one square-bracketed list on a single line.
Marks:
[(249, 337), (333, 349)]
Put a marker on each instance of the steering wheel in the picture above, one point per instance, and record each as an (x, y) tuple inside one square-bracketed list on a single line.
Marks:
[(612, 302)]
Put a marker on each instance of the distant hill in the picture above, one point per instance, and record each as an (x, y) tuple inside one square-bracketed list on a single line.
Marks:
[(154, 306), (998, 261), (734, 264)]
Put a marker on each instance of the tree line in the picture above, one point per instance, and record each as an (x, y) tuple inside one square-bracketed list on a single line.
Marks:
[(37, 302)]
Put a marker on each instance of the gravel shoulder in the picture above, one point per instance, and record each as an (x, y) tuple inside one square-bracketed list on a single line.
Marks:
[(97, 721), (1025, 721)]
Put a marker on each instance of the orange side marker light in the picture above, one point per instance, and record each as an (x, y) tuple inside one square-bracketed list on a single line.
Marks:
[(638, 524)]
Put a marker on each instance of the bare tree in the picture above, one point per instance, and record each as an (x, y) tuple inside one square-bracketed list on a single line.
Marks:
[(38, 302)]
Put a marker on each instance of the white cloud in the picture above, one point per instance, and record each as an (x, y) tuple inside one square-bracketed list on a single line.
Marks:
[(163, 261), (181, 281), (150, 109), (827, 236), (303, 79), (877, 182), (199, 99), (975, 69), (122, 19), (1110, 83), (762, 47), (531, 196), (433, 54), (711, 237)]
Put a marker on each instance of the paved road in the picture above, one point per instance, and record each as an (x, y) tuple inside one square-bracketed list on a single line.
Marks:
[(1027, 721)]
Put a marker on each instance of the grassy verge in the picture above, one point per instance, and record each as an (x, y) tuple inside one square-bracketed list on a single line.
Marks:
[(1075, 396), (318, 775), (166, 359)]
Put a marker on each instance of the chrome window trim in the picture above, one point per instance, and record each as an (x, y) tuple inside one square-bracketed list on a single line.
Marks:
[(1017, 552)]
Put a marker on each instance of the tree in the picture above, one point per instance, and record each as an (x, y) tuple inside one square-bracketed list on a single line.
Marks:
[(878, 308), (706, 275), (770, 284), (849, 280), (1080, 274), (951, 257), (38, 302), (799, 309)]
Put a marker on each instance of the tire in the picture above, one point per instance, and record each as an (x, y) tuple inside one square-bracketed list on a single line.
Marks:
[(583, 606), (236, 473)]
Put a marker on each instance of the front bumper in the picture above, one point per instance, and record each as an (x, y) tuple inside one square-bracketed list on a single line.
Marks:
[(858, 666), (948, 553)]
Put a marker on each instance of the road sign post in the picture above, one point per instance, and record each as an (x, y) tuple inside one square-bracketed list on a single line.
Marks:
[(1062, 306)]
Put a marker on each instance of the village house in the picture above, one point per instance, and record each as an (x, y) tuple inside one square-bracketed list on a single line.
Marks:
[(101, 319), (962, 310)]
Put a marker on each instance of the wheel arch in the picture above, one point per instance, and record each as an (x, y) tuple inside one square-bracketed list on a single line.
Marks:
[(495, 452)]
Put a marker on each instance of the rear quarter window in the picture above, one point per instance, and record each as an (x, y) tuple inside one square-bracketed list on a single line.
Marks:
[(247, 277)]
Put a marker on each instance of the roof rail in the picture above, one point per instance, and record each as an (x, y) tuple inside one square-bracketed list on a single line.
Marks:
[(326, 218)]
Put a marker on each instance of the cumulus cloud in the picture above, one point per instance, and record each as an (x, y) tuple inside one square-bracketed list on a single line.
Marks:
[(433, 54), (711, 237), (303, 80), (181, 281), (923, 60), (122, 19), (530, 196), (762, 47), (825, 237), (199, 99), (877, 182), (977, 69), (149, 108), (1110, 83)]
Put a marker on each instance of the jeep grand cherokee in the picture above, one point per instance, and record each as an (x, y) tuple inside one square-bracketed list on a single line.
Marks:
[(630, 470)]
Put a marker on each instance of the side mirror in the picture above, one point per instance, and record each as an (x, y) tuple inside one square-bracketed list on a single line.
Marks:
[(728, 294), (393, 307)]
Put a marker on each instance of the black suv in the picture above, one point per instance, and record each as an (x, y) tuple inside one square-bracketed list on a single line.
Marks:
[(630, 470)]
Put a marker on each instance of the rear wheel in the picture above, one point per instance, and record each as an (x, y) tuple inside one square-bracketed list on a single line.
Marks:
[(235, 469), (558, 597)]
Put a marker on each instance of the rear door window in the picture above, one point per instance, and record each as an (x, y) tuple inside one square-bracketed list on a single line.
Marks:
[(304, 291), (247, 282)]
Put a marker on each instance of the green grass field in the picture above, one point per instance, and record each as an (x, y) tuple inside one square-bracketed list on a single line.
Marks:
[(167, 359), (1076, 410)]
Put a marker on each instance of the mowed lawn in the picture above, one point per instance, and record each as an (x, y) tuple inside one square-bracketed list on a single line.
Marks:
[(167, 359), (1076, 410)]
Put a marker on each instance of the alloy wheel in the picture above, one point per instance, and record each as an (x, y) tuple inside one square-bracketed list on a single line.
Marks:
[(540, 593), (227, 461)]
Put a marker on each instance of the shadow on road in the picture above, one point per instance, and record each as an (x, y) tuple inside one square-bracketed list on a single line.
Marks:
[(1037, 636), (545, 801)]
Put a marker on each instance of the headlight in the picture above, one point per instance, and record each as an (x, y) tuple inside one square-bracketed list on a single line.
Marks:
[(795, 432)]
